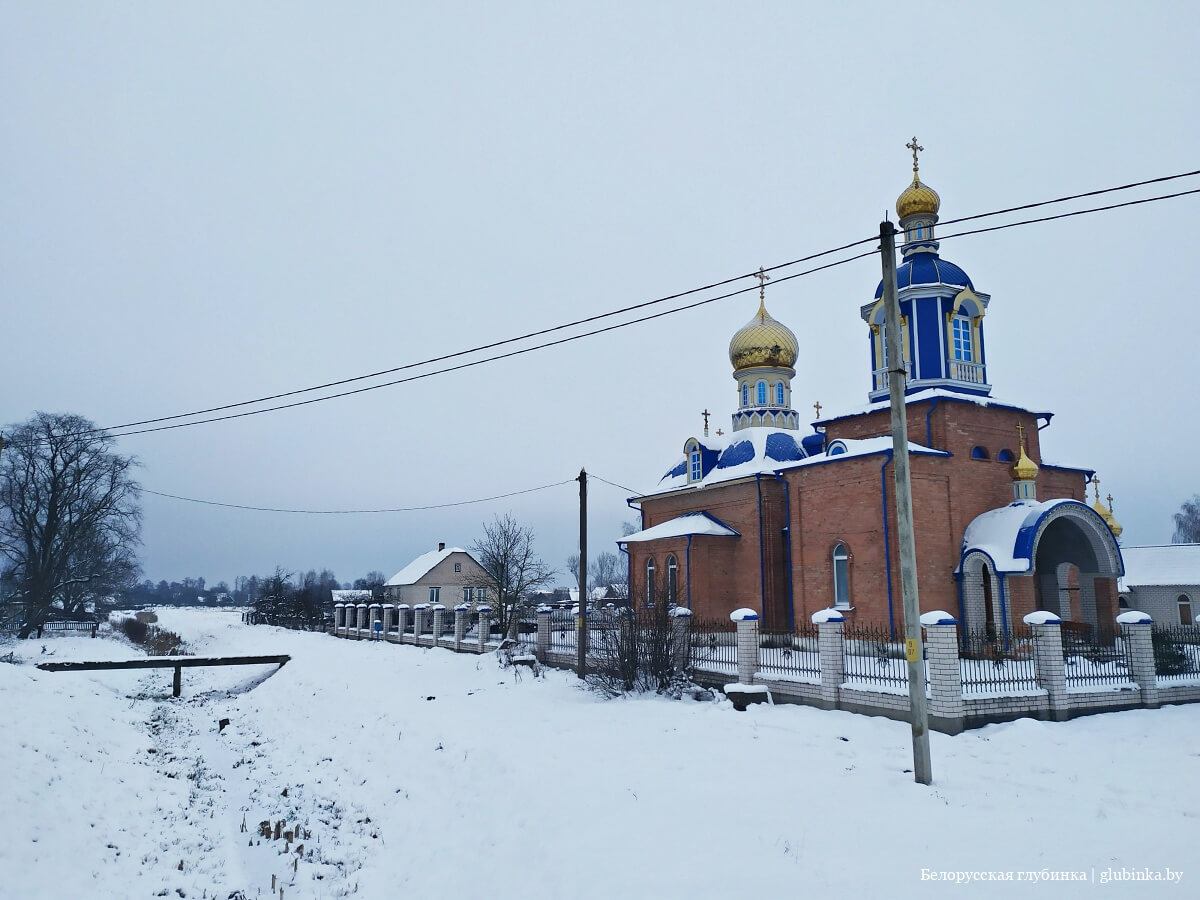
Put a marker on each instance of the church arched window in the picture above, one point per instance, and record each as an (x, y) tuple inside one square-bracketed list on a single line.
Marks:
[(762, 393), (841, 576), (672, 579), (979, 453), (745, 393), (650, 581), (1185, 609), (694, 468), (1005, 455), (779, 393)]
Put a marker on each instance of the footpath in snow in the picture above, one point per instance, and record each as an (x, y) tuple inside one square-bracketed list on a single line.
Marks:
[(410, 772)]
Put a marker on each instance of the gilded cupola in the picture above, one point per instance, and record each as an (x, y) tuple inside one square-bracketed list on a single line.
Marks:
[(918, 199), (1024, 471), (1105, 512), (763, 341)]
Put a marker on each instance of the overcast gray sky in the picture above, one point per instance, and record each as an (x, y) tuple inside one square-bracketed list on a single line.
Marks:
[(207, 203)]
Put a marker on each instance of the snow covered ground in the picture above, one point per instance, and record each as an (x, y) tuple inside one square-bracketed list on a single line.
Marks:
[(423, 773)]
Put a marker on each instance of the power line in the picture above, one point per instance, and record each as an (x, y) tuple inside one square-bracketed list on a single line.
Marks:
[(123, 432), (619, 487), (1067, 215), (354, 512), (489, 346), (493, 358)]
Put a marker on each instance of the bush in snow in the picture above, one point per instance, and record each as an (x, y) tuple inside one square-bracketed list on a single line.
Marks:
[(636, 650)]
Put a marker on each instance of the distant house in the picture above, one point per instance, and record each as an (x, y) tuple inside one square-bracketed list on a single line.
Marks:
[(1163, 582), (447, 575)]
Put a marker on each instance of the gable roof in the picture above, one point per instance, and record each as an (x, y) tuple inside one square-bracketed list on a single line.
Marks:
[(1165, 565), (681, 526), (421, 566)]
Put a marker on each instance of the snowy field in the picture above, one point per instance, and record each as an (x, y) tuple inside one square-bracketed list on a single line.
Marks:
[(423, 773)]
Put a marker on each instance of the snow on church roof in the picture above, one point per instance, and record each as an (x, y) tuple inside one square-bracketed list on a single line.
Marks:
[(419, 567), (765, 451), (694, 523), (935, 394), (1170, 564), (1007, 534)]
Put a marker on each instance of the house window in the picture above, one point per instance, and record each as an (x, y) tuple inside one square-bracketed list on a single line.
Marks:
[(467, 592), (962, 338), (694, 465), (746, 394), (435, 595), (650, 581), (458, 567), (481, 594), (779, 393), (1185, 610), (672, 572), (841, 576)]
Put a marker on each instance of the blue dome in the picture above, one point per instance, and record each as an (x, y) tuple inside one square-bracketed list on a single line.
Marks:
[(927, 268)]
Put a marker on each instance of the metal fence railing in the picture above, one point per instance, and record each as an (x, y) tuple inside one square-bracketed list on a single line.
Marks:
[(872, 658), (992, 662), (790, 653), (1176, 651), (1089, 659), (714, 645)]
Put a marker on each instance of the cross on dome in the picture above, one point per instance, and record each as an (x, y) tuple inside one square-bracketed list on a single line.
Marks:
[(763, 278), (914, 147)]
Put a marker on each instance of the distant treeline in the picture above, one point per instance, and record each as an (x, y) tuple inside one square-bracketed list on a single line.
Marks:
[(280, 593)]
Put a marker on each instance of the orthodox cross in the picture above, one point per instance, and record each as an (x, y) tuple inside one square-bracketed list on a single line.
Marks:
[(763, 278), (817, 407), (1096, 486), (1109, 499), (1021, 434), (706, 414), (719, 432), (914, 147)]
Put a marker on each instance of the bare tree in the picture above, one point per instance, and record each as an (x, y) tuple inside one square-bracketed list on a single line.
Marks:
[(607, 568), (70, 516), (1187, 522), (506, 554)]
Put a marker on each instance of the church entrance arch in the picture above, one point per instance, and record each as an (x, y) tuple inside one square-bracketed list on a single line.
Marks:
[(1076, 562)]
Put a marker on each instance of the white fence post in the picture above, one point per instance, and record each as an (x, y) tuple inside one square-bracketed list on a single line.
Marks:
[(681, 636), (945, 673), (460, 624), (1048, 651), (831, 652)]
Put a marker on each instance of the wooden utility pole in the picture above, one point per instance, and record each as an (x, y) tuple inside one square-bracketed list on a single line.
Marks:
[(581, 632), (897, 370)]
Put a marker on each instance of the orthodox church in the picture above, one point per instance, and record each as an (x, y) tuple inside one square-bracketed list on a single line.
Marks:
[(787, 522)]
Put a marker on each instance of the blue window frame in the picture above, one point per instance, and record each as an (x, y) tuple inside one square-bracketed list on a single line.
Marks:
[(962, 338), (779, 393), (762, 393), (746, 394), (694, 465)]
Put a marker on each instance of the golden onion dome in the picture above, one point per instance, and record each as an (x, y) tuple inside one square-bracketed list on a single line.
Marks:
[(1106, 513), (763, 341), (1024, 469), (917, 199)]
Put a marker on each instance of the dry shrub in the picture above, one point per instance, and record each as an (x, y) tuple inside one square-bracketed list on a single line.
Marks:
[(156, 641), (134, 629), (146, 616)]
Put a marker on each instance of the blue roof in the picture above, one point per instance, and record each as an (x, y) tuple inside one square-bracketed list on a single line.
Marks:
[(928, 268)]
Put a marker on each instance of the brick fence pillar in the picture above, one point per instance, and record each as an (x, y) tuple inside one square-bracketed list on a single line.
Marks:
[(831, 654), (1137, 629), (361, 620), (389, 619), (485, 627), (439, 622), (403, 613), (339, 619), (460, 624), (1048, 654), (374, 614), (681, 637), (747, 644), (543, 632), (945, 675)]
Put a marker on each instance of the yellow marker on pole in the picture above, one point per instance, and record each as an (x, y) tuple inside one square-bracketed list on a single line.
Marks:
[(911, 652)]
